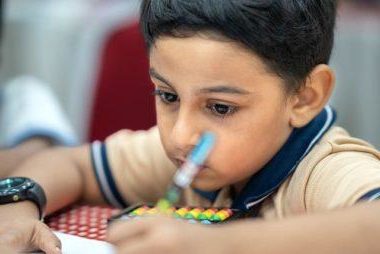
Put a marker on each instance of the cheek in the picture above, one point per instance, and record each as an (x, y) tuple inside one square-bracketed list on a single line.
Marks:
[(247, 149), (163, 116), (235, 160), (165, 125)]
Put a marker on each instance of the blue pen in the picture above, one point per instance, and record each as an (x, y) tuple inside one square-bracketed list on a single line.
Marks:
[(186, 173)]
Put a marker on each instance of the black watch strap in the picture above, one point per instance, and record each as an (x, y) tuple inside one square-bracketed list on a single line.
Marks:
[(37, 195), (16, 189)]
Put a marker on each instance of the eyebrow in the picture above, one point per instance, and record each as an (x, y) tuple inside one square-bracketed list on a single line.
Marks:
[(224, 89), (154, 74), (213, 89)]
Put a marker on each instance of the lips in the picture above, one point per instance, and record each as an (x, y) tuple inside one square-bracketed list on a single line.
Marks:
[(202, 167), (180, 162)]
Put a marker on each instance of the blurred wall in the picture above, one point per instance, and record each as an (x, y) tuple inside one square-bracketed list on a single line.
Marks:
[(60, 42), (356, 60)]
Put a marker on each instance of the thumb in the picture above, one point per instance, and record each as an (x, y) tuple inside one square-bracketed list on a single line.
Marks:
[(4, 249), (124, 230), (44, 239)]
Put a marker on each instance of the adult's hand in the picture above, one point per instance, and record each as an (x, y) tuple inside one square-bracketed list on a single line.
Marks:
[(21, 230)]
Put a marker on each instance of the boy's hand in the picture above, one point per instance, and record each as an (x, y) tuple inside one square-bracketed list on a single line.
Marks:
[(21, 230), (166, 235)]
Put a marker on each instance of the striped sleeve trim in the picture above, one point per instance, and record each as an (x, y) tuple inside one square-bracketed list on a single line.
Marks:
[(104, 175), (371, 195)]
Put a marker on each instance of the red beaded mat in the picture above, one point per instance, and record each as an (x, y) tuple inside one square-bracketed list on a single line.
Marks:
[(85, 221)]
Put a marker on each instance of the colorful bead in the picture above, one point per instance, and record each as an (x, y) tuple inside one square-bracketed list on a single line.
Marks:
[(209, 212), (194, 213), (222, 215), (215, 218), (163, 205), (182, 212), (192, 221), (208, 216), (139, 211), (152, 211), (170, 211), (202, 216)]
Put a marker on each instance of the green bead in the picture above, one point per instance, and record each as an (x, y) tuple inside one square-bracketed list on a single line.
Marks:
[(215, 218), (202, 217), (189, 216), (172, 196), (163, 205), (206, 222), (177, 216)]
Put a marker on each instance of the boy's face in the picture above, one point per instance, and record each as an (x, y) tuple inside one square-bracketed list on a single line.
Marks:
[(209, 85)]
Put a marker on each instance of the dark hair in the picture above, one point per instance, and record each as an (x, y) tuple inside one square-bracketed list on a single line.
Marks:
[(290, 36)]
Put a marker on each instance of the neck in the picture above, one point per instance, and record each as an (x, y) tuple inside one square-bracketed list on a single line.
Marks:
[(237, 187)]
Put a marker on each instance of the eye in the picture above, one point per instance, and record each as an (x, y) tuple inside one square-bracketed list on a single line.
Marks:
[(222, 110), (166, 97)]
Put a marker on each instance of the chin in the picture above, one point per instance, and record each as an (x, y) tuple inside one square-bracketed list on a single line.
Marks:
[(205, 185)]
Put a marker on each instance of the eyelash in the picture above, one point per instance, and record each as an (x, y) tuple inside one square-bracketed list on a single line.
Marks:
[(162, 95), (229, 110)]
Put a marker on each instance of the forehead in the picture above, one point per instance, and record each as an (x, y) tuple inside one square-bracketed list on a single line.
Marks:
[(205, 57)]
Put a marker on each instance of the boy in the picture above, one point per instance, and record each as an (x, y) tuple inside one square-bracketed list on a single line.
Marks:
[(255, 73)]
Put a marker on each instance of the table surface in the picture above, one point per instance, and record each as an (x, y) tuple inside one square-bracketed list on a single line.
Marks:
[(82, 220)]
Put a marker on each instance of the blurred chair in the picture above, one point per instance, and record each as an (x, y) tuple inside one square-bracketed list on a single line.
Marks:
[(122, 97), (110, 88)]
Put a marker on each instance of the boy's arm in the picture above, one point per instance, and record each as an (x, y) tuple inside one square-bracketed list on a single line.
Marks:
[(11, 158), (65, 174), (134, 160)]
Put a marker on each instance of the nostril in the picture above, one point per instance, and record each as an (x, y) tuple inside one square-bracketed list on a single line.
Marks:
[(179, 162)]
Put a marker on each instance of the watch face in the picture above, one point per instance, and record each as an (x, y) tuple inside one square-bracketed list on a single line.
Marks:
[(15, 189), (11, 183)]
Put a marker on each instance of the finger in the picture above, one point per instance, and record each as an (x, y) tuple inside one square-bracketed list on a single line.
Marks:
[(44, 239), (136, 246), (124, 230), (4, 249)]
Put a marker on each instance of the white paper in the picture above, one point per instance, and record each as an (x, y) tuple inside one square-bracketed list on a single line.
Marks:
[(78, 245)]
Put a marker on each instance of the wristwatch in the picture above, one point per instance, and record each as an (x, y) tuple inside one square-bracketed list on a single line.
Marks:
[(15, 189)]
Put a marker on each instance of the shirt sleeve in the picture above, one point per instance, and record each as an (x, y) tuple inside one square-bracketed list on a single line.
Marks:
[(131, 167), (342, 179), (371, 195)]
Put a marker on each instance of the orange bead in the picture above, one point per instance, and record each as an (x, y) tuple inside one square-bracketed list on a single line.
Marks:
[(139, 211), (209, 212), (152, 211), (182, 212), (193, 214), (223, 214)]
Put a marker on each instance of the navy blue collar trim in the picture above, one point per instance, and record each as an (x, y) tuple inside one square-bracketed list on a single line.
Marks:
[(283, 164)]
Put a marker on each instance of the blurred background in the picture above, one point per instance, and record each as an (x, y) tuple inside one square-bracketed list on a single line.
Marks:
[(92, 55)]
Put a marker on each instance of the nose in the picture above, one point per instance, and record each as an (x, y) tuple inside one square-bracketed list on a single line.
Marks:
[(185, 133)]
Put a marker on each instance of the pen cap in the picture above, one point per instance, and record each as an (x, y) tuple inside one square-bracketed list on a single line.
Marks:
[(202, 149)]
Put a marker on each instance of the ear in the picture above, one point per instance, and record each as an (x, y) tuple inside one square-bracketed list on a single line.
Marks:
[(309, 101)]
